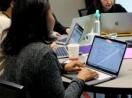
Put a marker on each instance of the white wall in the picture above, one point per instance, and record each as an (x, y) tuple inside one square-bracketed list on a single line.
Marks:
[(66, 10), (127, 4)]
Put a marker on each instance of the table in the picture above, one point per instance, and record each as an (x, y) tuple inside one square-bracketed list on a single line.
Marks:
[(120, 85)]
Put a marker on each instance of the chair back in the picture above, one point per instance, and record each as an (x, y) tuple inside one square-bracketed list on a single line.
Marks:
[(82, 12), (11, 90)]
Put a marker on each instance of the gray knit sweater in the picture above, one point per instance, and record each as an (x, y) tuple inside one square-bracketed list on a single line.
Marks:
[(37, 68)]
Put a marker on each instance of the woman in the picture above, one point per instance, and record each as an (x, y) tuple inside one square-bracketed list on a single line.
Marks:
[(5, 20), (105, 6), (29, 59)]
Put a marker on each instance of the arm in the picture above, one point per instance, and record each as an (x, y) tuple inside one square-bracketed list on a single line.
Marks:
[(59, 27), (52, 78)]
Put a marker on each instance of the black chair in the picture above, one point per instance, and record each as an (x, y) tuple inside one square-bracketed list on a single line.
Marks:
[(11, 90), (110, 92), (83, 12)]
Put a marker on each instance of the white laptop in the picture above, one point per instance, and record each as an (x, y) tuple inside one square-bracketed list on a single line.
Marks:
[(116, 22), (105, 57), (74, 37)]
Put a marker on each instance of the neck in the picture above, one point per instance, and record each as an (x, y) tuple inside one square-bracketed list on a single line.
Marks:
[(8, 12)]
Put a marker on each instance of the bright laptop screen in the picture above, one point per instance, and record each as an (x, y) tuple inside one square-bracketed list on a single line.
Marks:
[(76, 34), (106, 54)]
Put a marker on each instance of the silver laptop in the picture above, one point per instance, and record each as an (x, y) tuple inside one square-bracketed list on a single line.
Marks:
[(87, 22), (74, 37), (116, 22), (105, 57)]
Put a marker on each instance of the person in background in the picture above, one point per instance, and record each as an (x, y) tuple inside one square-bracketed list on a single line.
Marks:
[(105, 6), (60, 28), (29, 59), (5, 15)]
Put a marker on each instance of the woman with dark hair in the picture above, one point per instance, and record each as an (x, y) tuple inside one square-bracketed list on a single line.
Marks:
[(29, 59), (105, 6), (5, 15)]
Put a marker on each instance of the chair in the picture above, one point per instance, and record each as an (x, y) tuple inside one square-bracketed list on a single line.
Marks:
[(11, 90), (83, 12), (110, 92)]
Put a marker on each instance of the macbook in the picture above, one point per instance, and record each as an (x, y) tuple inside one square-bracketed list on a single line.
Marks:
[(105, 57), (74, 37), (116, 22)]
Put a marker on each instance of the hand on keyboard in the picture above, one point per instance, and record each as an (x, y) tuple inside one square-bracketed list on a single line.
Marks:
[(86, 74)]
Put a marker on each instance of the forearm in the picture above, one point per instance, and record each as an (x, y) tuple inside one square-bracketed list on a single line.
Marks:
[(59, 27), (75, 89)]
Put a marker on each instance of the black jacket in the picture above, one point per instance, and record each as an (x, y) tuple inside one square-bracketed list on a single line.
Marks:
[(59, 27)]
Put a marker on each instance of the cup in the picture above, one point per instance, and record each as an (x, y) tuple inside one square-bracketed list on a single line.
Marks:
[(112, 35), (73, 51)]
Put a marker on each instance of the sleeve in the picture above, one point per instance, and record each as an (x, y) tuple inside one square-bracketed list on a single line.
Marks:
[(59, 27), (52, 81), (120, 8)]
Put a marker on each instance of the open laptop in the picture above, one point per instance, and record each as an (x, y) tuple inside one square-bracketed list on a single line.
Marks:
[(105, 57), (74, 37), (116, 22)]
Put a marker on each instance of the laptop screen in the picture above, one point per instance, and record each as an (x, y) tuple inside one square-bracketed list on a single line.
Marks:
[(106, 54), (76, 34)]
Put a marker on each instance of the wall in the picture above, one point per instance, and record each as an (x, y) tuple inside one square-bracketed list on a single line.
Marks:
[(66, 10), (127, 4)]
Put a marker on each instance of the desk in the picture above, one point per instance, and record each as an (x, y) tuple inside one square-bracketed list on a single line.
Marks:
[(122, 84)]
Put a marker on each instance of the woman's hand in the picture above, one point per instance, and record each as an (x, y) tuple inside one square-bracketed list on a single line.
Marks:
[(86, 74), (68, 30), (55, 34), (53, 45), (74, 66)]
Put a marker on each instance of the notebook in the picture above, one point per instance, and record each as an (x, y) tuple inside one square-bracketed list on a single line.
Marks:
[(116, 22), (74, 37), (105, 57)]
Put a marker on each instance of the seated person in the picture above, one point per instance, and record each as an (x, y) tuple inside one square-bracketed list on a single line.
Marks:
[(5, 20), (29, 59), (105, 6), (5, 15)]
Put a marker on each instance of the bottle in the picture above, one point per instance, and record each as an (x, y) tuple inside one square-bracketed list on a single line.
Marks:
[(96, 28)]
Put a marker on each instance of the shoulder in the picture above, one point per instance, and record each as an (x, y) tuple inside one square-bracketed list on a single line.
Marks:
[(37, 48), (4, 22), (36, 54), (120, 8)]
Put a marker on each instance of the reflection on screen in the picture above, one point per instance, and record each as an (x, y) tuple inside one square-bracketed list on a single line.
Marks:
[(76, 34), (106, 54)]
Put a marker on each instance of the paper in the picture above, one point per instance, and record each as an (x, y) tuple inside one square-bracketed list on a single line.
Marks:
[(128, 54)]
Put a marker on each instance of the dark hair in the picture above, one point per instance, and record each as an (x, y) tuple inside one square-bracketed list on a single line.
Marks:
[(29, 24), (98, 5), (4, 4)]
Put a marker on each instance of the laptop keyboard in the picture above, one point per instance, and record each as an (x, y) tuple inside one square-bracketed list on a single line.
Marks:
[(63, 40), (61, 52)]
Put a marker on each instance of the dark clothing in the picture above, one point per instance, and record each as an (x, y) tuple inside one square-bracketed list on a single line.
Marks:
[(115, 9), (59, 27), (37, 68)]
